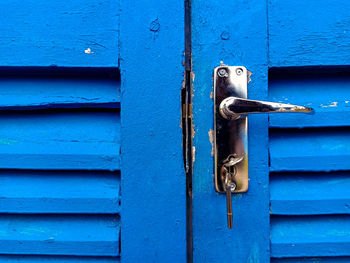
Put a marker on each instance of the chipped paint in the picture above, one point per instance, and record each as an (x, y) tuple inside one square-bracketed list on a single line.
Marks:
[(88, 51), (334, 104), (193, 154), (211, 139), (249, 73)]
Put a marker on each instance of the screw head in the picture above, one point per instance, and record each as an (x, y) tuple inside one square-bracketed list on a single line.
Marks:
[(222, 72), (239, 71)]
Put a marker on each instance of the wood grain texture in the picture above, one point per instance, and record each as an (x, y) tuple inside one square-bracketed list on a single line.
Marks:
[(310, 32), (59, 235), (60, 140), (309, 149), (56, 259), (326, 89), (153, 177), (70, 33), (27, 88), (309, 193), (236, 33), (59, 192), (310, 236)]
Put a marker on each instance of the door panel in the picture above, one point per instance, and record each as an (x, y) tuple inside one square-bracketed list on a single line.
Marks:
[(60, 132), (296, 208), (69, 34), (235, 33), (153, 181), (310, 32)]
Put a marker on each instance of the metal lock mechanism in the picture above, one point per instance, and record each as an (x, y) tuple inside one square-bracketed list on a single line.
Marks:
[(231, 108)]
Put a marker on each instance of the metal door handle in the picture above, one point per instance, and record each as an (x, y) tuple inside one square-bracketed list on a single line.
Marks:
[(232, 108), (231, 129)]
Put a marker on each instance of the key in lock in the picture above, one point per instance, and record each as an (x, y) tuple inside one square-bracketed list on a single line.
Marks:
[(228, 172)]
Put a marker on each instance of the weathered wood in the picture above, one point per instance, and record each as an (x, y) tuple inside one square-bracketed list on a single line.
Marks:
[(153, 177), (59, 192), (313, 32), (60, 235), (56, 259), (325, 89), (234, 32), (310, 236), (309, 193), (51, 87), (312, 260), (309, 149), (60, 140), (61, 33)]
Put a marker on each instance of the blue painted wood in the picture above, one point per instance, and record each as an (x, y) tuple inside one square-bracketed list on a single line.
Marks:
[(309, 149), (310, 193), (51, 87), (60, 140), (236, 33), (308, 32), (310, 236), (324, 89), (153, 177), (59, 192), (312, 260), (56, 259), (60, 235), (73, 33)]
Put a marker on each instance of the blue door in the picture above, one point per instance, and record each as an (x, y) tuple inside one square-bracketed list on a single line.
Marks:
[(297, 206), (91, 163)]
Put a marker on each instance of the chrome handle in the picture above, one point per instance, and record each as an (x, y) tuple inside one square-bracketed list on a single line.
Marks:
[(232, 108), (231, 137)]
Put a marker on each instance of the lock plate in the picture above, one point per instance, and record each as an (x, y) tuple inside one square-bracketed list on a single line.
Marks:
[(230, 136)]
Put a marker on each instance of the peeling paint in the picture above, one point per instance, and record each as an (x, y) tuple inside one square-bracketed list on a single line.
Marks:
[(211, 139), (334, 104), (212, 94), (192, 75), (249, 73), (88, 51), (193, 154)]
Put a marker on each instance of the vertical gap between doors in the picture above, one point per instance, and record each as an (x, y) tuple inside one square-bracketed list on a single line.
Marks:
[(186, 97)]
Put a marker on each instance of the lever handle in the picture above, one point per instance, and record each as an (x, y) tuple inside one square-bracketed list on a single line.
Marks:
[(232, 108)]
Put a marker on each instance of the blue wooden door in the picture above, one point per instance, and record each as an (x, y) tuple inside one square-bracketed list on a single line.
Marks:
[(297, 205), (90, 139)]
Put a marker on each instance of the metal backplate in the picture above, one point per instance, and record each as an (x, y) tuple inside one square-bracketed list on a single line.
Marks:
[(230, 136)]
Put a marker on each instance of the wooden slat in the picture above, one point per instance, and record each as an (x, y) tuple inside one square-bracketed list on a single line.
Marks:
[(62, 33), (59, 235), (308, 33), (56, 259), (51, 87), (310, 236), (324, 89), (310, 193), (60, 140), (152, 41), (59, 192), (309, 149), (312, 260)]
